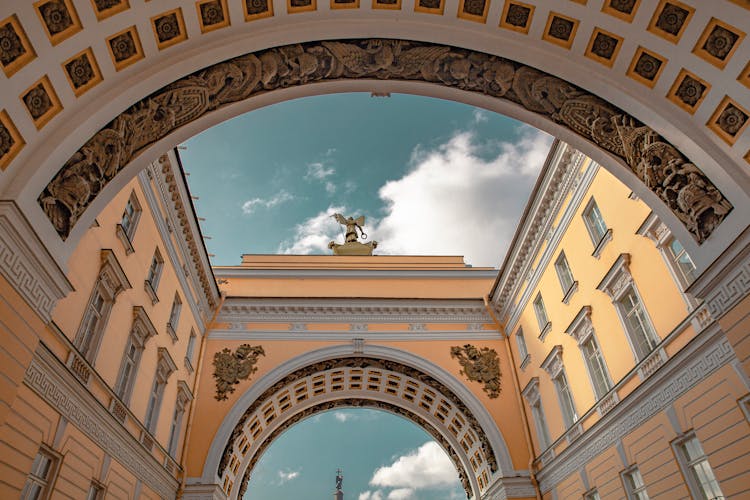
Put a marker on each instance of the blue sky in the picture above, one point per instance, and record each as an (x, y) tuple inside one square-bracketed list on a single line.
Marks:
[(383, 457), (431, 176)]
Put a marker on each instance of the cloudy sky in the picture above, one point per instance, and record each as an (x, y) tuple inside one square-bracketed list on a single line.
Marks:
[(383, 457), (431, 177)]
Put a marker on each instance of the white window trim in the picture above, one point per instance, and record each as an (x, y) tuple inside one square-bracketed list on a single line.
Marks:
[(523, 353), (533, 399), (553, 365), (695, 489), (140, 332), (544, 328), (568, 290), (629, 492), (164, 368), (151, 284), (184, 397), (598, 242), (49, 484), (581, 329), (126, 235), (615, 284), (190, 351)]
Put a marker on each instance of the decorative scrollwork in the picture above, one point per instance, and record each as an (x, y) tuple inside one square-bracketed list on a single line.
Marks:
[(681, 185), (231, 367), (480, 365)]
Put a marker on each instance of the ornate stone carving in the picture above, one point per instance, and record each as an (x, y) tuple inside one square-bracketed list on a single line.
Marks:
[(212, 13), (167, 27), (37, 101), (11, 47), (231, 367), (604, 45), (55, 16), (80, 71), (123, 47), (359, 362), (480, 365), (690, 91), (647, 66), (517, 15), (720, 42), (561, 28), (671, 18), (666, 171), (731, 119)]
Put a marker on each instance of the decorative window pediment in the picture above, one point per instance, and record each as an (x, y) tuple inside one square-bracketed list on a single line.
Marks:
[(531, 391), (581, 327), (184, 395), (165, 366), (142, 329), (618, 278), (553, 364), (111, 275)]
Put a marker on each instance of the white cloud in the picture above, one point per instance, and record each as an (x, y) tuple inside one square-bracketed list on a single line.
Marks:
[(371, 495), (454, 201), (401, 494), (319, 171), (426, 467), (314, 234), (344, 417), (480, 116), (287, 475), (281, 197)]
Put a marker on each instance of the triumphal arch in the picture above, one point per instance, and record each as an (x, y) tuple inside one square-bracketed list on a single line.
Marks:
[(653, 92)]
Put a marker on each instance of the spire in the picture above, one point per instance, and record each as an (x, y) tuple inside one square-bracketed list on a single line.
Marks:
[(338, 494)]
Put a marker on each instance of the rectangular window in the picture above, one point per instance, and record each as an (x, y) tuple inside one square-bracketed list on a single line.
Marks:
[(634, 485), (174, 432), (591, 495), (563, 273), (523, 352), (694, 462), (595, 225), (592, 355), (681, 261), (154, 404), (92, 324), (41, 477), (128, 370), (541, 312), (189, 352), (566, 399), (96, 492), (540, 422), (174, 315), (637, 323), (154, 271), (130, 216)]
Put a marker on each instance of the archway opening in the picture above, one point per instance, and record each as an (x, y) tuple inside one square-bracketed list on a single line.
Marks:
[(381, 455)]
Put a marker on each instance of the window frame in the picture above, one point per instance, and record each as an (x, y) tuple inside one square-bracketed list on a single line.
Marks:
[(633, 491), (648, 331), (598, 240), (687, 465), (542, 319), (565, 276), (523, 350), (190, 351), (607, 378), (153, 276), (174, 317), (128, 224), (569, 420), (47, 483)]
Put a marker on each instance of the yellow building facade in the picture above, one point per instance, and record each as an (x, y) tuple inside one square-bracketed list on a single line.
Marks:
[(583, 368)]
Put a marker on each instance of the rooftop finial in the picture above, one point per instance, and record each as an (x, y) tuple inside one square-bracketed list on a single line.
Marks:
[(351, 245)]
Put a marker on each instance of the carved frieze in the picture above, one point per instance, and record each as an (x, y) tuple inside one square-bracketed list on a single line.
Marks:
[(480, 365), (232, 367), (680, 184)]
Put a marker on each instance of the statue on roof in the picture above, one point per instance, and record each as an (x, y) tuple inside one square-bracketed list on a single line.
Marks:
[(352, 245)]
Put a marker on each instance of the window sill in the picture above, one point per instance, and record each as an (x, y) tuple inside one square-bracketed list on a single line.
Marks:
[(151, 292), (525, 362), (124, 239), (602, 243), (571, 291), (545, 331)]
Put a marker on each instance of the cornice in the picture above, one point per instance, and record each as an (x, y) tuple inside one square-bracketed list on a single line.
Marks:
[(462, 274), (370, 335), (557, 180), (27, 265), (354, 311), (54, 383), (176, 197)]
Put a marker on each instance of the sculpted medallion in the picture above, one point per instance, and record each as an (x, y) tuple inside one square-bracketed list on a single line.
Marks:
[(480, 365), (232, 367)]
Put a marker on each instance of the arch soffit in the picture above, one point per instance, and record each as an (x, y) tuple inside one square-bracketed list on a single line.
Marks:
[(531, 45), (223, 438)]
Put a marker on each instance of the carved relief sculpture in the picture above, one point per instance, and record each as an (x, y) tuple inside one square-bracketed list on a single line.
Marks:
[(480, 365), (231, 367), (352, 245), (681, 185)]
